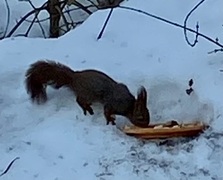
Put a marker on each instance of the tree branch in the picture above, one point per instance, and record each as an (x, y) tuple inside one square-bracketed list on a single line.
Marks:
[(36, 18), (174, 24), (36, 10), (64, 18), (76, 3), (9, 166), (216, 50), (197, 26), (8, 19), (105, 24)]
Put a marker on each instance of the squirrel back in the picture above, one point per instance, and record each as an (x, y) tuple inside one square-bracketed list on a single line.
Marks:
[(89, 86)]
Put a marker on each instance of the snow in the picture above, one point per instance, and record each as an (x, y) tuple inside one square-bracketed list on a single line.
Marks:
[(56, 141)]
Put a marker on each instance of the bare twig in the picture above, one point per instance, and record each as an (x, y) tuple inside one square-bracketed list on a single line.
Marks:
[(9, 166), (63, 5), (8, 19), (197, 26), (93, 3), (31, 4), (73, 24), (36, 18), (42, 29), (174, 24), (105, 24), (64, 18), (36, 10), (216, 50), (76, 8), (30, 26), (19, 23), (76, 3), (68, 13), (36, 21)]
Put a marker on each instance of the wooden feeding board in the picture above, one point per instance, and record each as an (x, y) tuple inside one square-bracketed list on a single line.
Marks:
[(166, 130)]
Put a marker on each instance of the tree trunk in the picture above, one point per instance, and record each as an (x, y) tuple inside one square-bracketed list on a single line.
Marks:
[(54, 18)]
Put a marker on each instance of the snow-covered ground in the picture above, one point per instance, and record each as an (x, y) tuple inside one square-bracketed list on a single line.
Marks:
[(55, 141)]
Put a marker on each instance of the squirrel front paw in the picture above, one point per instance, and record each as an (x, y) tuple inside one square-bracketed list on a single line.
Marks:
[(89, 110), (110, 118)]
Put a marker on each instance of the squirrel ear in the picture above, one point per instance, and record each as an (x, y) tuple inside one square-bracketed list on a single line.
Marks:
[(141, 115), (142, 96)]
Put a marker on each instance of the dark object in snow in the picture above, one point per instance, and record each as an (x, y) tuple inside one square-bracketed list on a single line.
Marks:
[(169, 129), (89, 86), (191, 82), (9, 166), (190, 89)]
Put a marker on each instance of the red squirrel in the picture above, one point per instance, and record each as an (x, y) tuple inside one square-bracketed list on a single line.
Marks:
[(88, 86)]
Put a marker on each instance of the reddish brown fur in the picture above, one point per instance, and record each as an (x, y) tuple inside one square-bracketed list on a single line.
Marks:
[(89, 86)]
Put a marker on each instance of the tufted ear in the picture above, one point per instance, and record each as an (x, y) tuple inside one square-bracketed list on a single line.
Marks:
[(142, 97), (141, 115)]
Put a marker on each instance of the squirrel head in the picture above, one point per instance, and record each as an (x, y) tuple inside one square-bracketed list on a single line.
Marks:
[(140, 116)]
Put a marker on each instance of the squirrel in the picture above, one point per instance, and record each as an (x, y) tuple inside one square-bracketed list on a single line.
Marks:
[(88, 86)]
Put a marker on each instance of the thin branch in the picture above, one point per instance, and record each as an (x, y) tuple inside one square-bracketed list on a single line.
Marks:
[(73, 24), (197, 26), (105, 24), (173, 23), (20, 35), (19, 23), (36, 18), (76, 8), (68, 13), (36, 21), (8, 18), (93, 3), (64, 18), (31, 4), (63, 5), (76, 3), (30, 26), (41, 28), (43, 7), (216, 50), (9, 166)]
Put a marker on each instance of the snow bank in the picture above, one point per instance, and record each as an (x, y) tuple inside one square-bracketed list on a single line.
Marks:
[(56, 141)]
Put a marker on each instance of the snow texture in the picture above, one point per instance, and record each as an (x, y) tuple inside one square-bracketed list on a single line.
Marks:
[(55, 141)]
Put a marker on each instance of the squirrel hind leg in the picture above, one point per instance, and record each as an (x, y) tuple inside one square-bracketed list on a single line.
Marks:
[(109, 115), (36, 89), (86, 107), (38, 94)]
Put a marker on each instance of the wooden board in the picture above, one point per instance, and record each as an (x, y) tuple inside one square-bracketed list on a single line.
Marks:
[(166, 130)]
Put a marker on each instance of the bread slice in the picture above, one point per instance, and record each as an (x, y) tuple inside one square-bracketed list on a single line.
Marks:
[(167, 130)]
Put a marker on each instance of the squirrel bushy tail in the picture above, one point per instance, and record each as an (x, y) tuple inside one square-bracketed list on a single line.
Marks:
[(43, 73)]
